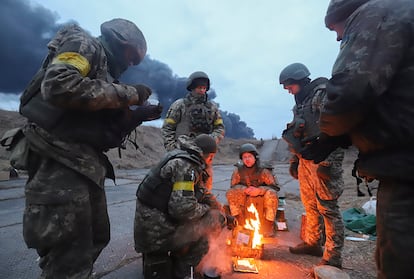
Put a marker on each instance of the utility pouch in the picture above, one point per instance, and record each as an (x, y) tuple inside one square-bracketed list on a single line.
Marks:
[(293, 135), (15, 141)]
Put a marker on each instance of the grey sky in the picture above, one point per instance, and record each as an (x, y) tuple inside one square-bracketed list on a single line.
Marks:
[(241, 44)]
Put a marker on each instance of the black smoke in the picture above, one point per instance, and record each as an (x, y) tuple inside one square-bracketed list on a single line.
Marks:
[(26, 29)]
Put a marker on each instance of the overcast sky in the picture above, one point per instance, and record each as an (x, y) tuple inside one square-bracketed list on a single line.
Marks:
[(242, 45)]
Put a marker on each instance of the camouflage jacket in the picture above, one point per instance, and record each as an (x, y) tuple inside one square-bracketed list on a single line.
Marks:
[(255, 176), (371, 84), (370, 94), (76, 96), (191, 116)]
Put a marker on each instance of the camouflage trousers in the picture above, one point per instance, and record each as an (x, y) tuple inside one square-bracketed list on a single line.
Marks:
[(395, 229), (318, 201), (65, 219), (237, 201)]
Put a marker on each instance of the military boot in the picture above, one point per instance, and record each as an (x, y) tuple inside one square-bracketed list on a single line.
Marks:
[(304, 248), (334, 263)]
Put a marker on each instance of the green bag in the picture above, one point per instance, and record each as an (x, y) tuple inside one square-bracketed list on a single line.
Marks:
[(357, 221)]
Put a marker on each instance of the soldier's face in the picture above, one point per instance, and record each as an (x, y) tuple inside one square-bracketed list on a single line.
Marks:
[(248, 159), (208, 158), (292, 88), (201, 89), (339, 29)]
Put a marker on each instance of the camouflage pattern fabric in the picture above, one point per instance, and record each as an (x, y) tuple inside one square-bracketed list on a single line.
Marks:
[(373, 88), (262, 178), (320, 198), (320, 184), (193, 214), (66, 217), (178, 120)]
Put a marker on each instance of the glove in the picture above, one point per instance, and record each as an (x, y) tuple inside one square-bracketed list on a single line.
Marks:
[(318, 148), (231, 222), (293, 169), (143, 92), (253, 191), (147, 113), (324, 172)]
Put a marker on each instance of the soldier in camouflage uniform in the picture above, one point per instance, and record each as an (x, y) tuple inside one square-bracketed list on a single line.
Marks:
[(371, 100), (76, 112), (320, 184), (174, 212), (193, 115), (250, 178)]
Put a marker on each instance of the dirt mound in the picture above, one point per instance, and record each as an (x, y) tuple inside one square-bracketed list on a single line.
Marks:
[(148, 152)]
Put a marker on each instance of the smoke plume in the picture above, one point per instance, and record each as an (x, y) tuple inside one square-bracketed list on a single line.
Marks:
[(25, 31)]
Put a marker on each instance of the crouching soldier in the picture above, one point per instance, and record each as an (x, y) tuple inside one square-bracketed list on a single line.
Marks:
[(251, 179), (175, 213)]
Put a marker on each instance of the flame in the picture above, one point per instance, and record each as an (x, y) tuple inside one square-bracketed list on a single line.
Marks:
[(254, 225)]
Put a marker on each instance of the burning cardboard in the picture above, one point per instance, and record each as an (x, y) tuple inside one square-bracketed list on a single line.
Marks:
[(245, 265)]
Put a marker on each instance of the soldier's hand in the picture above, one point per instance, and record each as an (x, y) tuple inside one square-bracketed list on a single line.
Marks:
[(231, 222), (143, 92), (253, 191), (293, 169), (324, 172), (319, 149), (148, 113)]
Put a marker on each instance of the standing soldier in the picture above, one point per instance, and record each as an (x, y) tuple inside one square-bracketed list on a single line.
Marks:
[(250, 178), (175, 213), (193, 115), (320, 184), (75, 113), (371, 101)]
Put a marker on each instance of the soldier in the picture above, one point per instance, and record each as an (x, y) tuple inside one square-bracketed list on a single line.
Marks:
[(250, 178), (371, 100), (175, 213), (194, 115), (320, 184), (75, 112)]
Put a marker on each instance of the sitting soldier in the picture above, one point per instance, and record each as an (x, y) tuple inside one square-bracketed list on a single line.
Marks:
[(250, 179)]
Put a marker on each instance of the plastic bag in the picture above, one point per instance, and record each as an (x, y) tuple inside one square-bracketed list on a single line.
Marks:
[(370, 207)]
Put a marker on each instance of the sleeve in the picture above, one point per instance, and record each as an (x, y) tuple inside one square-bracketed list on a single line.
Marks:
[(372, 48), (69, 79), (269, 179), (169, 127), (235, 178), (218, 125), (183, 204)]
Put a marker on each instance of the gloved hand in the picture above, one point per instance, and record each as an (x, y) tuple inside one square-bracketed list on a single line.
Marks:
[(147, 113), (253, 191), (324, 172), (318, 148), (231, 222), (143, 92), (293, 169)]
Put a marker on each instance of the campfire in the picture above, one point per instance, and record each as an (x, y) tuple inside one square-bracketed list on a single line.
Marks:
[(247, 242)]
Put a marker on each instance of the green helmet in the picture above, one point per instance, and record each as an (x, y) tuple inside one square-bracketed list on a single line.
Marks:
[(197, 77), (295, 71), (119, 34), (248, 147)]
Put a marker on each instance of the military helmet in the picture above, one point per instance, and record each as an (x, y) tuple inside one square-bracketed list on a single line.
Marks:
[(121, 33), (340, 10), (195, 77), (206, 143), (248, 147), (295, 71)]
